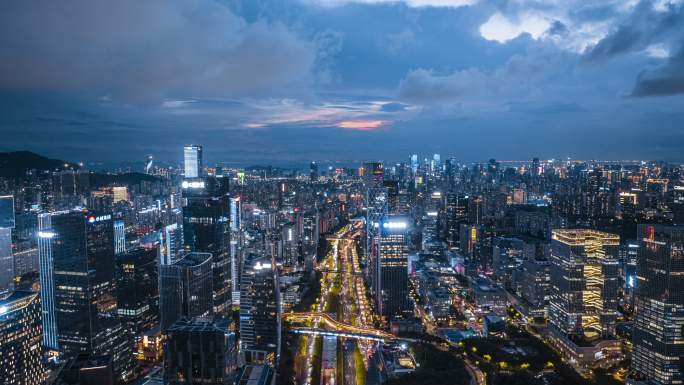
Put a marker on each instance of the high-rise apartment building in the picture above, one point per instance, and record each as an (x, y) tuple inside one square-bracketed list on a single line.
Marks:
[(658, 334), (260, 318)]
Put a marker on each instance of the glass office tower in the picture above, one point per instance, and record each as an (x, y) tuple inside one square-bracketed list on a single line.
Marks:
[(185, 288), (658, 335)]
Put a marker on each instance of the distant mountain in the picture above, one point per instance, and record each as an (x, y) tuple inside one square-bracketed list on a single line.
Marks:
[(129, 179), (15, 164)]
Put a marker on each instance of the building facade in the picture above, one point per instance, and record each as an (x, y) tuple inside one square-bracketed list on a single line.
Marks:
[(185, 289), (658, 335), (21, 333)]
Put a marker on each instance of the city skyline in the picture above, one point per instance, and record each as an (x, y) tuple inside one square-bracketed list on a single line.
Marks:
[(342, 192)]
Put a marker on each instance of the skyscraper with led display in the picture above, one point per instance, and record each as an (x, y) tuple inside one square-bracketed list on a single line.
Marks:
[(76, 251), (260, 318), (584, 275), (391, 268)]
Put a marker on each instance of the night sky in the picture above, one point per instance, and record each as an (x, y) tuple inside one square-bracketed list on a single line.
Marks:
[(277, 81)]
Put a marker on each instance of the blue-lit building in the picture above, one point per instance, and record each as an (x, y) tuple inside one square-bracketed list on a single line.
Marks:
[(76, 251), (7, 222), (119, 237), (206, 226)]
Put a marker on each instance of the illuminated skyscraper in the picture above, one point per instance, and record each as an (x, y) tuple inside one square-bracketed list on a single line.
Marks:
[(436, 162), (137, 288), (47, 280), (260, 318), (584, 275), (391, 268), (148, 164), (6, 259), (193, 166), (414, 164), (313, 171), (171, 243), (374, 173), (77, 261), (20, 339), (119, 237), (659, 326), (206, 229)]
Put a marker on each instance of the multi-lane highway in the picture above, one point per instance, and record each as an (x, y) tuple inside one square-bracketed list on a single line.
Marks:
[(343, 308)]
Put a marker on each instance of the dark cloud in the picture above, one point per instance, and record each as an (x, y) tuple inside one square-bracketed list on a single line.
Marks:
[(142, 50), (522, 77), (665, 81), (645, 25), (557, 28), (270, 80)]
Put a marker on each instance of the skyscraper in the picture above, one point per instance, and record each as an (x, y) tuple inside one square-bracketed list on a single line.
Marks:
[(659, 326), (391, 268), (77, 284), (235, 251), (313, 171), (6, 259), (137, 288), (185, 288), (170, 243), (374, 173), (193, 165), (414, 164), (436, 163), (119, 237), (584, 275), (20, 339), (201, 351), (260, 318), (149, 160), (206, 228), (47, 280)]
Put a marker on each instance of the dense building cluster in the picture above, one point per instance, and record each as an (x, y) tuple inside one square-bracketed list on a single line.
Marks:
[(203, 273)]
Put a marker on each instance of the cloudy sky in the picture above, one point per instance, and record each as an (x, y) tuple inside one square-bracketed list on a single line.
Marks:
[(283, 81)]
